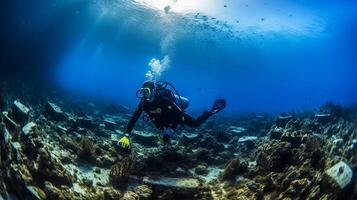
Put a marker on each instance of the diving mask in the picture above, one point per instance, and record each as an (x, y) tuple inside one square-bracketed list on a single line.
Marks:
[(145, 92)]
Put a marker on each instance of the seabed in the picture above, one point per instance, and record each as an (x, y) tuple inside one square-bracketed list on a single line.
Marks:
[(51, 151)]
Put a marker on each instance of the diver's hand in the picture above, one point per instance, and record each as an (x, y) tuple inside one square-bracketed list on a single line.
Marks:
[(124, 142)]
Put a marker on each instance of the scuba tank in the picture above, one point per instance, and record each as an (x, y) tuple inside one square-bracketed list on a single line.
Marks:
[(181, 101)]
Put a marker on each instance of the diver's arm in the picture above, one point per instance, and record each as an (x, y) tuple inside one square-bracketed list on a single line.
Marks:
[(134, 118)]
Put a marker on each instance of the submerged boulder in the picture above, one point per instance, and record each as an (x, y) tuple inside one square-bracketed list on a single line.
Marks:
[(323, 118), (201, 170), (86, 123), (11, 125), (182, 187), (237, 130), (282, 120), (35, 193), (145, 138), (110, 124), (293, 138), (20, 113), (341, 174), (144, 192), (232, 169), (130, 195), (28, 128), (275, 156), (276, 133), (54, 112), (188, 139)]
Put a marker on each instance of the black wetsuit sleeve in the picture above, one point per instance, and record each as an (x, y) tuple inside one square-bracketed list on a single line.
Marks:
[(134, 118)]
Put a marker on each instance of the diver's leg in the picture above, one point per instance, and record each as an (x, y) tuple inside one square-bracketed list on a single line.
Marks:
[(190, 121)]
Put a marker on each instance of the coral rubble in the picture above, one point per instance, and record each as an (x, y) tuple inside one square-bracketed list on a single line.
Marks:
[(50, 151)]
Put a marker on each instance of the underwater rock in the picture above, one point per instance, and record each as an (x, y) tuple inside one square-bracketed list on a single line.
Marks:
[(246, 139), (274, 156), (11, 125), (180, 172), (143, 191), (145, 138), (111, 125), (5, 139), (16, 150), (323, 118), (210, 143), (282, 120), (204, 155), (54, 112), (86, 151), (86, 123), (50, 169), (53, 192), (130, 195), (287, 163), (111, 194), (105, 161), (293, 138), (341, 173), (249, 142), (20, 113), (188, 139), (5, 136), (62, 129), (237, 130), (201, 170), (35, 193), (183, 187), (28, 128), (276, 133), (297, 189), (233, 168)]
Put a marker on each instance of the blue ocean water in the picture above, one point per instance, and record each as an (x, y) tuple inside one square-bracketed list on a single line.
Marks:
[(258, 55)]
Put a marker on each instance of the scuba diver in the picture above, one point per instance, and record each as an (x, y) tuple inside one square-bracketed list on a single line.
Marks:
[(165, 110)]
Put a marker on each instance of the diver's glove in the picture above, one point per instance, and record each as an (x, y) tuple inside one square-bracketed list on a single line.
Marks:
[(124, 143)]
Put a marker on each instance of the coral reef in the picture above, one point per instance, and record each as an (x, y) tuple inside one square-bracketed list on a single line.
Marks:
[(86, 151), (51, 150), (119, 173)]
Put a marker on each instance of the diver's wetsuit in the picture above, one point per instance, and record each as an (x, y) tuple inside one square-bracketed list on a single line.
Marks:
[(165, 113)]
